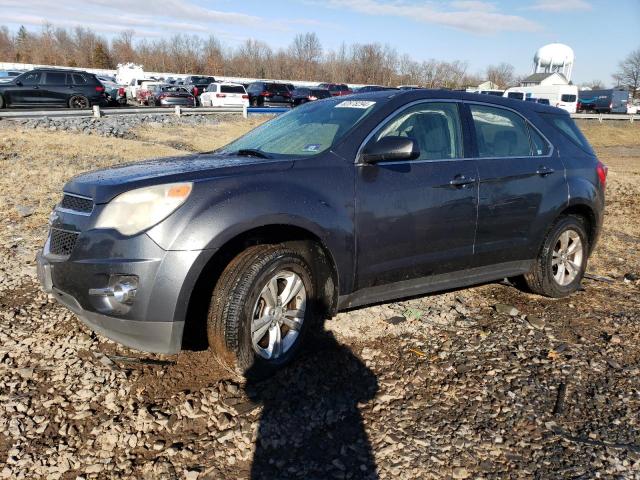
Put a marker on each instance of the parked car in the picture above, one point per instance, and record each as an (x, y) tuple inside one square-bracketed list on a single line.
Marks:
[(197, 84), (603, 101), (304, 95), (169, 95), (53, 88), (336, 89), (339, 203), (373, 88), (543, 101), (134, 86), (7, 75), (633, 108), (409, 87), (116, 93), (224, 94), (269, 94), (145, 91)]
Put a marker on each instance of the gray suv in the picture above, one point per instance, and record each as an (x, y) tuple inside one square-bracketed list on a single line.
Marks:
[(339, 203)]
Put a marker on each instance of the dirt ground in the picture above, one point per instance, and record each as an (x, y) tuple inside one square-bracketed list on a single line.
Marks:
[(485, 382)]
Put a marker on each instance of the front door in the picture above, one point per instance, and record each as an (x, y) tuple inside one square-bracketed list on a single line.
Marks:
[(417, 218), (26, 90), (521, 184)]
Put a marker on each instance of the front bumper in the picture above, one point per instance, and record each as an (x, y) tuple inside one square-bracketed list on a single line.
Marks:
[(154, 321)]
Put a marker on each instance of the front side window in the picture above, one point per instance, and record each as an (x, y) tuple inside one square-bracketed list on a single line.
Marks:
[(30, 78), (305, 131), (500, 132), (435, 127), (56, 78)]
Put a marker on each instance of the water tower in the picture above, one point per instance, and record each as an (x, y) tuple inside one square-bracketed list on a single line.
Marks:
[(555, 57)]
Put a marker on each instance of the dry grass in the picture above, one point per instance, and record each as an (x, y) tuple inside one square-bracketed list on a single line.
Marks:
[(611, 134), (200, 139)]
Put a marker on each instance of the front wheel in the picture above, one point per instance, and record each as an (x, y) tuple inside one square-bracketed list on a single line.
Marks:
[(562, 261), (261, 309), (79, 102)]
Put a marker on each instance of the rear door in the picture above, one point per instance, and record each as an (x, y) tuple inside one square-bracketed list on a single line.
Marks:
[(417, 218), (522, 183), (54, 88)]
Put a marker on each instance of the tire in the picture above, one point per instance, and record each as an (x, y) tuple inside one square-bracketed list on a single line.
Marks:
[(241, 299), (254, 102), (151, 103), (1, 102), (79, 102), (558, 270)]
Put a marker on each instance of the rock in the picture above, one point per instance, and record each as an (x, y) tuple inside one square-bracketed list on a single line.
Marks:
[(536, 322), (460, 473), (396, 320), (25, 211), (506, 309)]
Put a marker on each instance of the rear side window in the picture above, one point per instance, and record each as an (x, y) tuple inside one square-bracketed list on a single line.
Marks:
[(56, 78), (232, 89), (435, 127), (499, 132), (79, 79), (568, 98), (568, 129), (212, 88), (516, 95), (539, 145)]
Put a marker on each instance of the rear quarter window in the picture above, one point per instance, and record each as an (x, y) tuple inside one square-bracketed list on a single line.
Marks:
[(568, 98), (569, 129)]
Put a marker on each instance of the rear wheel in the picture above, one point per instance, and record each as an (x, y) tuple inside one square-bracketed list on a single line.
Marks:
[(261, 310), (562, 261), (1, 102), (79, 102), (254, 102), (151, 102)]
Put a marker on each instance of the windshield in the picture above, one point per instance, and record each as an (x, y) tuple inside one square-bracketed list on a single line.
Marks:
[(307, 130)]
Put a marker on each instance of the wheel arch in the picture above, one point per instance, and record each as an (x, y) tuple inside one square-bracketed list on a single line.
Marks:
[(317, 254)]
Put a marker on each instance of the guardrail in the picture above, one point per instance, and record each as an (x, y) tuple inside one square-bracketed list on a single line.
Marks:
[(98, 112), (605, 116)]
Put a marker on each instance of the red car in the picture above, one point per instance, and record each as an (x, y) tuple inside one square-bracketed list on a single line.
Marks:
[(336, 89)]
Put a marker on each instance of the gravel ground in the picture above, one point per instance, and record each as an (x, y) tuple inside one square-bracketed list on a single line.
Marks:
[(119, 126), (487, 382)]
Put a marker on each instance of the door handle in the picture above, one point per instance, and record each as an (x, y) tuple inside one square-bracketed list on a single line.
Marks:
[(461, 181), (544, 171)]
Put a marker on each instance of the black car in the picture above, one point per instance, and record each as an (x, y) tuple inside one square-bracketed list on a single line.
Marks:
[(262, 94), (53, 88), (304, 95), (196, 84), (339, 203), (373, 88)]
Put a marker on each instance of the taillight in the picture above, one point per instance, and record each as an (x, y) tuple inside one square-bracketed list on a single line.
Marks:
[(163, 95), (245, 97), (311, 97), (266, 94), (195, 91), (602, 171), (121, 92), (220, 95), (99, 88)]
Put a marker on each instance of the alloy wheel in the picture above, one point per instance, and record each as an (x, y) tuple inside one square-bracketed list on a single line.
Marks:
[(567, 257)]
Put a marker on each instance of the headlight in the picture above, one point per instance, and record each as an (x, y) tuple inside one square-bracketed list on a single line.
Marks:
[(136, 210)]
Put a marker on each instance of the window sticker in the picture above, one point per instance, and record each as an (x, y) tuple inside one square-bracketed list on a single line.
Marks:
[(355, 104), (312, 147)]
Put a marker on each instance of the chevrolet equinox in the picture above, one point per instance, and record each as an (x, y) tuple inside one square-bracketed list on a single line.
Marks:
[(339, 203)]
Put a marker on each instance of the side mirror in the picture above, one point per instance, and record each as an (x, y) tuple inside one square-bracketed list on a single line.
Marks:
[(390, 149), (19, 83)]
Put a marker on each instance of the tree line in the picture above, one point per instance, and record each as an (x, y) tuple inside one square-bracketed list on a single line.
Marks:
[(303, 59)]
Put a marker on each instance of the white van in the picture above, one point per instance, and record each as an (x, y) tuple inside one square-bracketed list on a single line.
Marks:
[(561, 96), (224, 95)]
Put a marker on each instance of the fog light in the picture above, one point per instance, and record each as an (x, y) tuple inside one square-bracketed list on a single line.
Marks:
[(122, 289)]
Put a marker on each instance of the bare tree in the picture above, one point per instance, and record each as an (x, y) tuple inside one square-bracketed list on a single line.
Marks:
[(628, 74), (502, 74), (306, 49)]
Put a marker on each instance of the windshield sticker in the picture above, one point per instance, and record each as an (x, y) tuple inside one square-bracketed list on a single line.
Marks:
[(355, 104), (312, 147)]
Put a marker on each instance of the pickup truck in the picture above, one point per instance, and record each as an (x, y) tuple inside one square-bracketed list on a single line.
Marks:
[(134, 85), (196, 84)]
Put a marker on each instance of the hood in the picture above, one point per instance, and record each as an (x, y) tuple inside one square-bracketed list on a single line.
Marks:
[(104, 184)]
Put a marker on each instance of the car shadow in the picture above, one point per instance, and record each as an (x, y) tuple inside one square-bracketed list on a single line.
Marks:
[(311, 426)]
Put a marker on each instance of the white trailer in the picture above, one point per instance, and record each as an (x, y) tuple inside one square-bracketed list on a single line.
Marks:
[(561, 96)]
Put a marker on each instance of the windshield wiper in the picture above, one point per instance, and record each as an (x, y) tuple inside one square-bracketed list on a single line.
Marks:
[(251, 152)]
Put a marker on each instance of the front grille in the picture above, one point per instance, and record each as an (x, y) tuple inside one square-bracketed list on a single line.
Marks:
[(78, 204), (62, 242)]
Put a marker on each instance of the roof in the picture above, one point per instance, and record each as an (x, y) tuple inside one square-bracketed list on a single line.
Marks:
[(539, 77)]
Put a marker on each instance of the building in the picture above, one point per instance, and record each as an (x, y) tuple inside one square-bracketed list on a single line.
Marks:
[(544, 79)]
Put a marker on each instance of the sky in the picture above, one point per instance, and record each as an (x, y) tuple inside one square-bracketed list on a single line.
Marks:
[(601, 32)]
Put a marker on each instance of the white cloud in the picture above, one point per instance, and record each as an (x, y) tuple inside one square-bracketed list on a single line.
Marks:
[(560, 5), (471, 16)]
